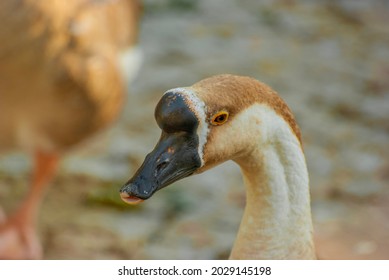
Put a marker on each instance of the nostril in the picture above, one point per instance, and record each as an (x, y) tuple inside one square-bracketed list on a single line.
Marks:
[(161, 166)]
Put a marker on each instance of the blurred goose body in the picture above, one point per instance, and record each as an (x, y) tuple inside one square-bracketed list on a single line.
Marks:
[(64, 67)]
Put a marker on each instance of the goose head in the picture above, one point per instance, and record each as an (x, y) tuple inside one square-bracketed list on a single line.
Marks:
[(202, 126)]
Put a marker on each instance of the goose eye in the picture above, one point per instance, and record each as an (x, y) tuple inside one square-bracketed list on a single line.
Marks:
[(219, 118)]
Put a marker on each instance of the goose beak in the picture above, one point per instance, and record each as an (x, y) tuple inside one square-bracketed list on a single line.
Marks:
[(175, 157)]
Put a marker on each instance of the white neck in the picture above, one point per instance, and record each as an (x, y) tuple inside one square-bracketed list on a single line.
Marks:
[(277, 221)]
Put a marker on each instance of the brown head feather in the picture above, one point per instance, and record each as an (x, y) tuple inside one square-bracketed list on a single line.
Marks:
[(225, 89)]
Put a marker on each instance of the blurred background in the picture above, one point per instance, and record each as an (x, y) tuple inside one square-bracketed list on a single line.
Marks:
[(328, 59)]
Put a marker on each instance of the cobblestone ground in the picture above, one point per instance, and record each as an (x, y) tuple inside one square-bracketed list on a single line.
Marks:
[(329, 61)]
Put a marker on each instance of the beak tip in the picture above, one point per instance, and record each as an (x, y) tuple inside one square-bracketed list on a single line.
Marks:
[(126, 189), (130, 199), (134, 193)]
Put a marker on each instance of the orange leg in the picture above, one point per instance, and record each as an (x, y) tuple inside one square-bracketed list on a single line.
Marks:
[(18, 236)]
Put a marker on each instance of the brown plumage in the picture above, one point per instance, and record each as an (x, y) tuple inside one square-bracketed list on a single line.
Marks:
[(60, 82), (249, 90)]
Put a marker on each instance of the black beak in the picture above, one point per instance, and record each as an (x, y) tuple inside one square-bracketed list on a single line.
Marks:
[(175, 157)]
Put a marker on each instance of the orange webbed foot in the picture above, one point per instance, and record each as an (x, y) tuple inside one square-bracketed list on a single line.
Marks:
[(18, 241)]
